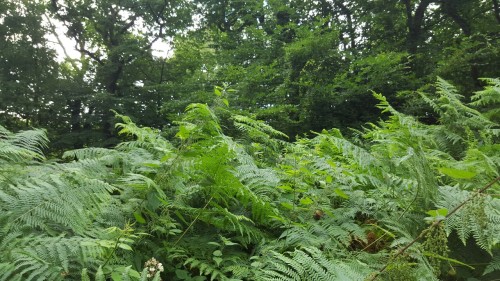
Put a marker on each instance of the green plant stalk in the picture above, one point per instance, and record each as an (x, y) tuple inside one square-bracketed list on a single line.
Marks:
[(113, 251), (434, 224), (192, 223)]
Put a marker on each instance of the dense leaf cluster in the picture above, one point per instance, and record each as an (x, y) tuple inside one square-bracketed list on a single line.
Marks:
[(228, 198), (297, 65)]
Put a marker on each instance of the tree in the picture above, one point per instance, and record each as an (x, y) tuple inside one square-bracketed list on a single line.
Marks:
[(28, 71), (116, 38)]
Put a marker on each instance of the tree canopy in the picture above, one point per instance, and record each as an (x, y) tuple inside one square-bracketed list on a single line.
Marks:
[(300, 66)]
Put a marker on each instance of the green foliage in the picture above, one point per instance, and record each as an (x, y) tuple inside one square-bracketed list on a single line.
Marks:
[(209, 206), (310, 264)]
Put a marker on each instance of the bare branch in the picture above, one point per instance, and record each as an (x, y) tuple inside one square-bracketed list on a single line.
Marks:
[(53, 30)]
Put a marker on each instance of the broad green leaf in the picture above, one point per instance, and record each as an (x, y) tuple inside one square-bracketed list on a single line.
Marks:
[(124, 246), (287, 205), (306, 201), (285, 187), (116, 276), (134, 273), (329, 179), (442, 212), (217, 91), (217, 260), (439, 212), (456, 173), (181, 274), (139, 218), (341, 193), (436, 215)]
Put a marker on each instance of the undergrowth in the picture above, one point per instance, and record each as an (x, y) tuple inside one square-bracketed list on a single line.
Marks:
[(246, 204)]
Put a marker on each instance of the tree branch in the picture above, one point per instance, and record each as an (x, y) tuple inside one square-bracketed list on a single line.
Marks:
[(53, 30), (90, 54), (451, 10)]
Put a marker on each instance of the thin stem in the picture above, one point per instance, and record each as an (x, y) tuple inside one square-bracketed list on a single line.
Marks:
[(114, 250), (192, 223), (434, 224)]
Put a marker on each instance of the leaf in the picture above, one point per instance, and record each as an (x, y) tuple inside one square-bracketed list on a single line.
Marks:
[(341, 193), (99, 276), (184, 132), (306, 201), (218, 260), (125, 246), (442, 212), (139, 218), (436, 215), (217, 91), (116, 276), (329, 179), (456, 173), (134, 273), (85, 275), (285, 187), (181, 274), (434, 255), (217, 253), (287, 205)]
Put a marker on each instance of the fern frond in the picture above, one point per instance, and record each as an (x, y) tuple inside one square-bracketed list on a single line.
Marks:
[(87, 153), (489, 96), (206, 269), (333, 143), (199, 121), (310, 264), (52, 258), (256, 128), (33, 140), (58, 199), (494, 265), (479, 218), (22, 146)]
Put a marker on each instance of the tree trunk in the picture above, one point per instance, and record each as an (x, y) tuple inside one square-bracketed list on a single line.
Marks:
[(496, 10), (414, 22), (350, 27), (451, 10)]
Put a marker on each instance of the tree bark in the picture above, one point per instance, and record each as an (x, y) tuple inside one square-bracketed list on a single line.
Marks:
[(451, 10), (496, 9), (350, 28), (414, 22)]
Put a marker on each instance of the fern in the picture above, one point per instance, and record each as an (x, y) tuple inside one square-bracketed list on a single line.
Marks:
[(252, 207), (58, 200), (489, 99), (310, 264), (494, 265), (22, 146), (49, 199), (51, 258), (479, 219)]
